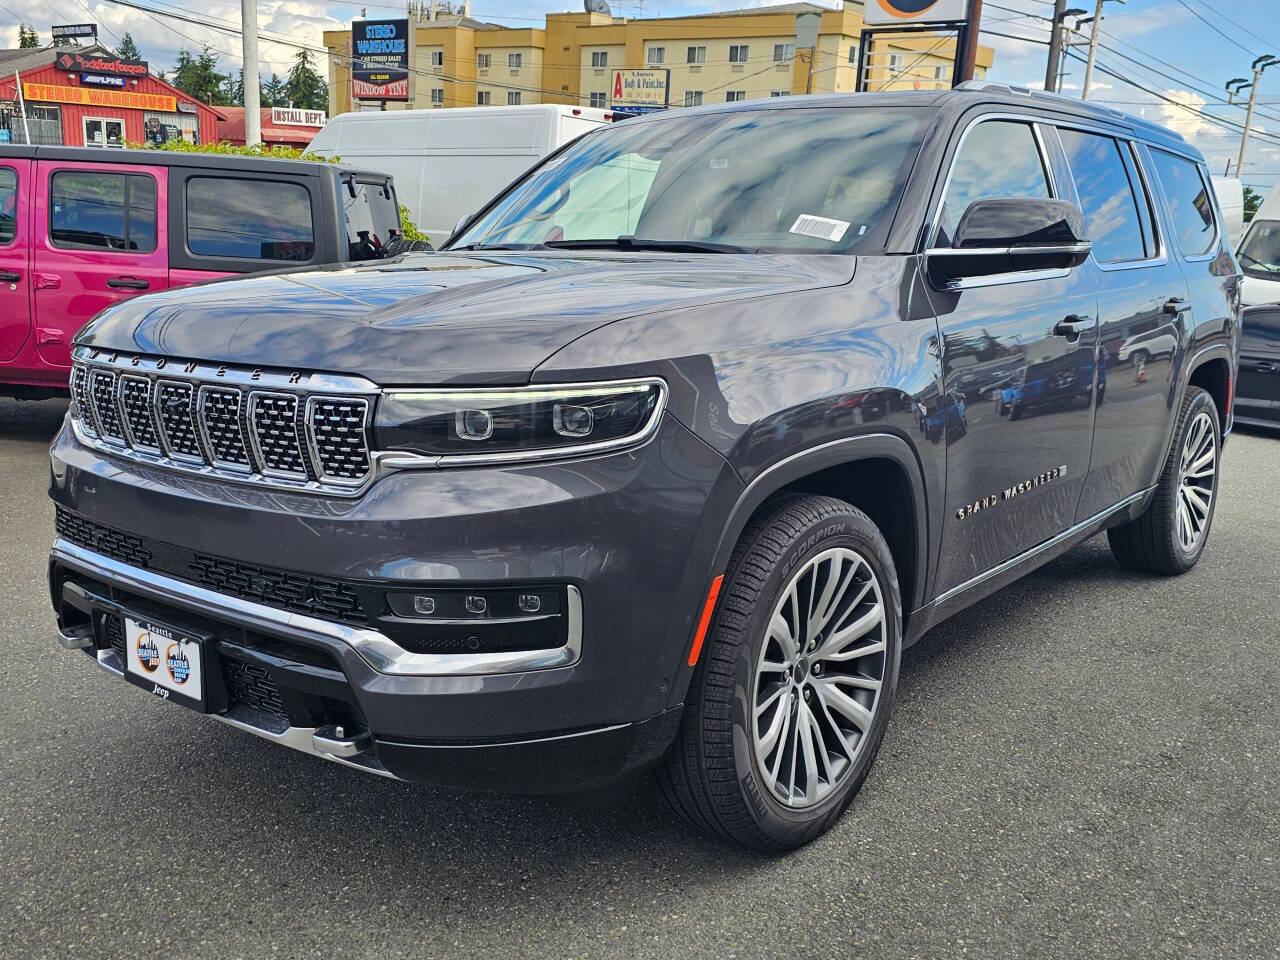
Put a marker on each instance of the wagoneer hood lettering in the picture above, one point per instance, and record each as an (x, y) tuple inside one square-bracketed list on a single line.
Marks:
[(503, 313)]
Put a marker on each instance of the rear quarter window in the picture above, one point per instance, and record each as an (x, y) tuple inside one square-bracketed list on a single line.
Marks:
[(249, 219), (1190, 203)]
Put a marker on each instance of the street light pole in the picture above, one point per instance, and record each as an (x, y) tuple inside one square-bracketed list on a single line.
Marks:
[(1093, 49), (1259, 67), (1055, 46), (249, 48)]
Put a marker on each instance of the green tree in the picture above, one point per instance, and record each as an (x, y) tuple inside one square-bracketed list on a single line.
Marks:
[(27, 37), (273, 93), (198, 77), (1252, 199), (128, 50), (305, 88)]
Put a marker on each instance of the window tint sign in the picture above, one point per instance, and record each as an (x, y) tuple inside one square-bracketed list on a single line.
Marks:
[(898, 12), (380, 59)]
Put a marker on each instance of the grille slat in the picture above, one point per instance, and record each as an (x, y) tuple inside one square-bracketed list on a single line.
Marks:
[(139, 415), (102, 393), (244, 425), (250, 684)]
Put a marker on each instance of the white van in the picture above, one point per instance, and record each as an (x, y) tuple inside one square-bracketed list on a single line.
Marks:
[(447, 164), (1230, 191), (1259, 254)]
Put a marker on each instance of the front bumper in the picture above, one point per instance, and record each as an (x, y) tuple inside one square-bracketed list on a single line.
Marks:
[(624, 533)]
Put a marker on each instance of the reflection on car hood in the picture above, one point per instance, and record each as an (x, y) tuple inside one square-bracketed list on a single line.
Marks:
[(439, 318)]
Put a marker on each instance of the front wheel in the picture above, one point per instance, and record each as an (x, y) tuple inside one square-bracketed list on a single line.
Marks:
[(789, 703), (1171, 534)]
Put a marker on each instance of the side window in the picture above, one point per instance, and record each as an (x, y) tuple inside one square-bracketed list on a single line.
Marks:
[(999, 158), (102, 211), (372, 219), (1106, 196), (1190, 203), (249, 219), (8, 205)]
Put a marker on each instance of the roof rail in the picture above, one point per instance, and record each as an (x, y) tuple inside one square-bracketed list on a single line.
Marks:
[(990, 86)]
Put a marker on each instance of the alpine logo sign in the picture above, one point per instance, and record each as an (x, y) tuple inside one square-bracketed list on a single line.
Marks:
[(895, 12)]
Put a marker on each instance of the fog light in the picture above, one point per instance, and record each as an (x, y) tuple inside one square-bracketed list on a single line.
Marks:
[(424, 605), (571, 420), (473, 424), (530, 602), (476, 604)]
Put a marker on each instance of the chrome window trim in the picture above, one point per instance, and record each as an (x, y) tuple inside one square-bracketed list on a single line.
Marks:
[(1033, 122), (1129, 144), (376, 649), (1218, 231), (1002, 279)]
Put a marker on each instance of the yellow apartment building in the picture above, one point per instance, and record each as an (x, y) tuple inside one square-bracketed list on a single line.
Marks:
[(457, 61)]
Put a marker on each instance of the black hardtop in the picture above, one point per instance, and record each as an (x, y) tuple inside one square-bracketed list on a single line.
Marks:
[(172, 158)]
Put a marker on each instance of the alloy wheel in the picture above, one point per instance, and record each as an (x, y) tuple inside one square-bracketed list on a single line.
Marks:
[(818, 677), (1197, 478)]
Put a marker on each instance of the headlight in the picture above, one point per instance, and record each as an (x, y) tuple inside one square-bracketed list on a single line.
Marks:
[(509, 424)]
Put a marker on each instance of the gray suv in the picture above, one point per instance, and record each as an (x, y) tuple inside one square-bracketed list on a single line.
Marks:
[(663, 461)]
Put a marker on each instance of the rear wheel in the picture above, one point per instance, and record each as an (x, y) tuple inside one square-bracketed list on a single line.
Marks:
[(789, 704), (1171, 534)]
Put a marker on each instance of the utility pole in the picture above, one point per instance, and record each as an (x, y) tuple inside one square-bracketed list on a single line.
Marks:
[(252, 101), (1055, 46), (1235, 86), (1093, 49), (969, 55)]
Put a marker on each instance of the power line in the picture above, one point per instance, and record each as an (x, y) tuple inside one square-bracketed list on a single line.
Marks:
[(1215, 28), (1241, 28)]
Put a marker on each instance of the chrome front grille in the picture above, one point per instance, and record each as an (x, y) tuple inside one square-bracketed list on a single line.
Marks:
[(265, 427)]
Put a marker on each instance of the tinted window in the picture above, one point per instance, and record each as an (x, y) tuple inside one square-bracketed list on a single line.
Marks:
[(999, 158), (250, 219), (372, 219), (1261, 328), (103, 211), (8, 205), (765, 180), (1190, 204), (1106, 196)]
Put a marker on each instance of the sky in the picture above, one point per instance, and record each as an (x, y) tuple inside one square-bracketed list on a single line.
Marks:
[(1185, 50)]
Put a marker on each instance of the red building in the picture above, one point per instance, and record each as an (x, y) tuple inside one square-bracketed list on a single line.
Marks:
[(281, 126), (89, 97)]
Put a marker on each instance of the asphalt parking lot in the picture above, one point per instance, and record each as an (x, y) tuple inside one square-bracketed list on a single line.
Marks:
[(1086, 765)]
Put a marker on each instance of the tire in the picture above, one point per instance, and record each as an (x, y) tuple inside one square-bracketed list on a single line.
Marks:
[(1157, 542), (714, 776), (1015, 412)]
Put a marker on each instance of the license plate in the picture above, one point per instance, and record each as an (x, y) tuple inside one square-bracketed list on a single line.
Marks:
[(166, 661)]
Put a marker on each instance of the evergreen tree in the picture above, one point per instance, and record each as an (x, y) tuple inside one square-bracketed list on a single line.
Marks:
[(273, 93), (198, 77), (27, 37), (128, 50), (305, 88)]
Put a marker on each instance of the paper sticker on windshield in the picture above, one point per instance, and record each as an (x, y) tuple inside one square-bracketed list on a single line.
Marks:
[(810, 226)]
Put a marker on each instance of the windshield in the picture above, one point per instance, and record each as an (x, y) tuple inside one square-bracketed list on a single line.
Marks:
[(1260, 253), (373, 221), (785, 180)]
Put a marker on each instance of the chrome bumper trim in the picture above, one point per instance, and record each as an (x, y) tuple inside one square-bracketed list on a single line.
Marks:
[(317, 741), (377, 650)]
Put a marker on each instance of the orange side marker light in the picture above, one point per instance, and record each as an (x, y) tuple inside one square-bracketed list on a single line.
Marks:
[(707, 610)]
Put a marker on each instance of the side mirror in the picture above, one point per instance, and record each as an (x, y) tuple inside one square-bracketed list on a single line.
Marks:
[(462, 222), (1010, 235)]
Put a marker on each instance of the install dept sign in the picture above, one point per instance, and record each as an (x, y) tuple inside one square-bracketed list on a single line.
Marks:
[(640, 91)]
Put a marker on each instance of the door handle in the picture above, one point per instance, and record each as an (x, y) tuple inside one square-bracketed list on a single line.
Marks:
[(10, 276), (47, 281), (1072, 326), (128, 283), (1266, 366), (1176, 305)]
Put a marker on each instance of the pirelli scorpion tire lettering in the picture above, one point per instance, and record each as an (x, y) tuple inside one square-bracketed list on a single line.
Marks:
[(789, 702), (1171, 534)]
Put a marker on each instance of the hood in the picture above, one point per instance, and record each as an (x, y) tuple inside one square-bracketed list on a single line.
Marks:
[(438, 318)]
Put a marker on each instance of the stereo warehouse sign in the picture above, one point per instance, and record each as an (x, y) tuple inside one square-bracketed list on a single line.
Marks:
[(380, 59), (88, 97)]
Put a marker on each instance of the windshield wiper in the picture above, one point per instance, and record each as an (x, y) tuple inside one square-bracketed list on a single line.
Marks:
[(501, 246), (1269, 267), (637, 243)]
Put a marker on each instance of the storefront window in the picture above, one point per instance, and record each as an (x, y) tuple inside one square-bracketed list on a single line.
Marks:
[(103, 132)]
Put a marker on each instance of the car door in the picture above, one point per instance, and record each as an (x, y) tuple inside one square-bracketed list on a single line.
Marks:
[(15, 256), (100, 237), (1142, 298), (1258, 392), (1017, 352)]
